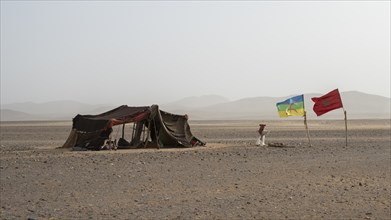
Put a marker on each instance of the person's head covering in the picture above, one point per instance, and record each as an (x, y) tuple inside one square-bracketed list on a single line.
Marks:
[(263, 125)]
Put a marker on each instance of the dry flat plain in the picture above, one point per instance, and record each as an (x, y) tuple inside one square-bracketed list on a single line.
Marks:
[(230, 178)]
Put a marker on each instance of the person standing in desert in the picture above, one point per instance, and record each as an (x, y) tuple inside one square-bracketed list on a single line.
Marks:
[(262, 135)]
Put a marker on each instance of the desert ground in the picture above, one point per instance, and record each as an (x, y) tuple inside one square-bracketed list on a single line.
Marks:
[(229, 178)]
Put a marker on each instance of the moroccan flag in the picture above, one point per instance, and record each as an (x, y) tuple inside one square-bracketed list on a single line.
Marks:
[(291, 107), (328, 102)]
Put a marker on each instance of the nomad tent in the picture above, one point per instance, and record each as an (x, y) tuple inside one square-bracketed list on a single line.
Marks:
[(151, 127)]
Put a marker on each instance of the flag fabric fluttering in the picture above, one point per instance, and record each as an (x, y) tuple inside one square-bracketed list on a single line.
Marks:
[(328, 102), (291, 107)]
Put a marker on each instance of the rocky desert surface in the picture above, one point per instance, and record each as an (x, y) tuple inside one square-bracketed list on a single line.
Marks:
[(230, 178)]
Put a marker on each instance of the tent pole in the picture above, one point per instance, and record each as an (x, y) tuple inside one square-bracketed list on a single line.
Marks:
[(134, 124), (157, 141), (306, 128), (123, 131), (143, 130), (148, 131)]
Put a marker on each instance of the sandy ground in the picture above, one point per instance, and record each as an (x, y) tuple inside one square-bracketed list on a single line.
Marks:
[(230, 178)]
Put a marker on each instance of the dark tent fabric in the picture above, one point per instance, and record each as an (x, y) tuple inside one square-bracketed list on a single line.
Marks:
[(163, 129), (121, 115), (176, 130)]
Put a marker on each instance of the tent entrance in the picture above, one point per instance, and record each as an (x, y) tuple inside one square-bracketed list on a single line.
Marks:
[(138, 135)]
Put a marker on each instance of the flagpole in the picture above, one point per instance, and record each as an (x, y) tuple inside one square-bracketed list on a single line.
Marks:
[(306, 127), (346, 127)]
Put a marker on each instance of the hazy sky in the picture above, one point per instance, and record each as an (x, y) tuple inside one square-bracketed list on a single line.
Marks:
[(140, 53)]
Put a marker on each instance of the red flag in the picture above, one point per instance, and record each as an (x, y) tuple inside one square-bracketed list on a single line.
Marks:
[(328, 102)]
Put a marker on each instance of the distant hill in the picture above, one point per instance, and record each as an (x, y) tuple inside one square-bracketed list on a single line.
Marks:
[(11, 115), (357, 104), (361, 104), (189, 103), (55, 110)]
